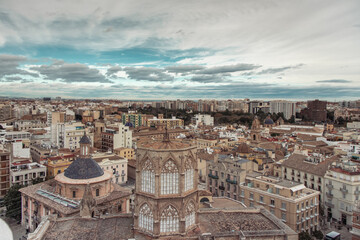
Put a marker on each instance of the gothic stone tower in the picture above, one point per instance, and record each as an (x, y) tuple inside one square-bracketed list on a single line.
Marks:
[(166, 201)]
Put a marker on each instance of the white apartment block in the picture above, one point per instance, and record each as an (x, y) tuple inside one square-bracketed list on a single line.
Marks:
[(203, 120), (342, 182), (286, 107), (123, 137), (114, 164), (68, 135), (25, 173)]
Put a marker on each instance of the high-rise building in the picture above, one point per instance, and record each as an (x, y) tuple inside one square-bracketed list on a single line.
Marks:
[(286, 107), (4, 172), (5, 112), (315, 111), (119, 137)]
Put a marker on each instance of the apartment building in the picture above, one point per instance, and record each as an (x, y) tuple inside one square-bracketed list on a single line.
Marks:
[(170, 123), (5, 112), (203, 120), (68, 135), (342, 190), (116, 137), (25, 173), (128, 153), (4, 172), (308, 170), (57, 164), (285, 107), (293, 203), (225, 174), (114, 164), (24, 125)]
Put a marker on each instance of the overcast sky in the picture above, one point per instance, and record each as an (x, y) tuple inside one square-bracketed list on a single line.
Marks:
[(180, 49)]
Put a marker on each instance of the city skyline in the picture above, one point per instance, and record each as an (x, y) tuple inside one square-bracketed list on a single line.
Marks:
[(182, 50)]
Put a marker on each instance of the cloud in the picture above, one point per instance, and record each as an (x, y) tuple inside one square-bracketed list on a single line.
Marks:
[(208, 78), (229, 68), (15, 78), (334, 81), (9, 65), (277, 70), (148, 74), (112, 70), (70, 72), (183, 68)]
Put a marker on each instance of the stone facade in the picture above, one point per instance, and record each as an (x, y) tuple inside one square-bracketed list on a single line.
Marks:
[(166, 189)]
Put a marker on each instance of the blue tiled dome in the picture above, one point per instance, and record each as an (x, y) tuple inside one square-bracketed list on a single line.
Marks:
[(269, 121), (83, 168)]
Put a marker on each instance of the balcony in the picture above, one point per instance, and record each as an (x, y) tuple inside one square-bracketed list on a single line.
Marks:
[(330, 186), (344, 190), (231, 181), (329, 195), (213, 176), (329, 204)]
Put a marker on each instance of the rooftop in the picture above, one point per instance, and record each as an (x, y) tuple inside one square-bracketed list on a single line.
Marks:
[(164, 145), (83, 168)]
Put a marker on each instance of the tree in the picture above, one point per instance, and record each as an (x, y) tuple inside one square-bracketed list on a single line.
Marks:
[(37, 180), (318, 234), (12, 202), (292, 119), (304, 236)]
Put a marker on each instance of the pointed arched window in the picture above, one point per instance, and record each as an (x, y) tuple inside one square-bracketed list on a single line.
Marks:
[(190, 215), (146, 219), (189, 175), (169, 178), (169, 221), (148, 177)]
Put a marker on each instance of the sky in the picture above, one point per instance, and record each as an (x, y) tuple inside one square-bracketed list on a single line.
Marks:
[(168, 49)]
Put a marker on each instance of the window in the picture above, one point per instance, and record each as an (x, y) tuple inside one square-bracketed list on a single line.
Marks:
[(146, 219), (169, 220), (148, 177), (251, 204), (283, 205), (272, 211), (272, 202), (251, 196), (74, 194), (283, 216), (59, 171), (242, 193), (97, 192), (190, 215), (261, 199), (277, 190), (169, 178), (189, 176)]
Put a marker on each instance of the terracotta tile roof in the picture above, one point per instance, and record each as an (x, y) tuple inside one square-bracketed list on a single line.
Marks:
[(296, 161), (110, 228)]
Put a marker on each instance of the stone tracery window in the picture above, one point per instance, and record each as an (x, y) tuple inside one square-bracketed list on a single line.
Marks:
[(189, 215), (169, 221), (169, 178), (146, 218), (189, 176), (148, 177)]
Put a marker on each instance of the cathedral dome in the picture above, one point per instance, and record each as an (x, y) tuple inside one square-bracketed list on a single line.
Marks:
[(83, 168), (268, 121)]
